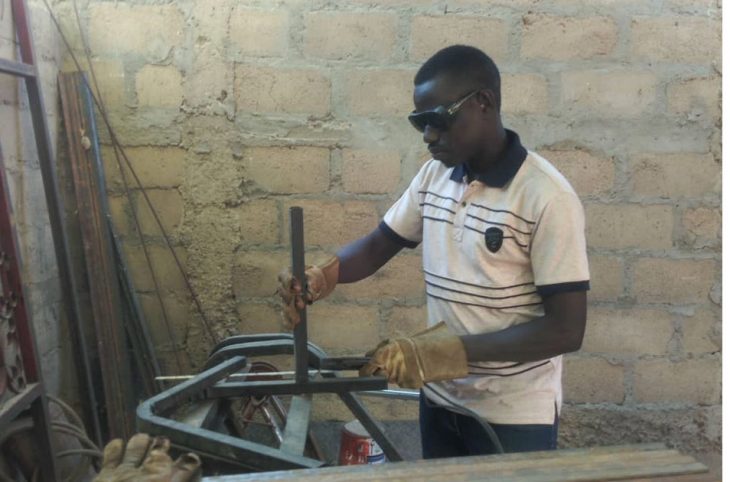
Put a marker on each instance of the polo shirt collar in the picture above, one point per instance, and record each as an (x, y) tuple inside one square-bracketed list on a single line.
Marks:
[(503, 170)]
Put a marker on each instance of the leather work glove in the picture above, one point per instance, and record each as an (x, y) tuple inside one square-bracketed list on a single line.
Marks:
[(428, 356), (321, 281), (146, 460)]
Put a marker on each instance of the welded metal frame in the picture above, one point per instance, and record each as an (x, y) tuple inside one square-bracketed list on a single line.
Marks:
[(230, 356)]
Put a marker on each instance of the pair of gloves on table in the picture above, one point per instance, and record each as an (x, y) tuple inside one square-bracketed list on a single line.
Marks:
[(146, 459), (427, 356)]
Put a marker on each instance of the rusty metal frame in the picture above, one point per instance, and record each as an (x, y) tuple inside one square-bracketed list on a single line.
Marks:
[(26, 68), (28, 393)]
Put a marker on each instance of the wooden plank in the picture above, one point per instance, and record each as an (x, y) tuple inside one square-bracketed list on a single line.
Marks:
[(593, 464), (607, 465), (706, 477), (297, 425)]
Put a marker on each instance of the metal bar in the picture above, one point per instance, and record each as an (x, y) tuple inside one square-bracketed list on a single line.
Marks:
[(11, 285), (13, 407), (194, 387), (297, 425), (98, 255), (201, 413), (263, 348), (275, 427), (99, 101), (328, 385), (359, 410), (297, 261), (19, 69), (238, 339), (147, 356), (284, 346), (173, 378), (149, 368), (412, 395), (55, 209), (343, 363), (256, 456), (42, 434)]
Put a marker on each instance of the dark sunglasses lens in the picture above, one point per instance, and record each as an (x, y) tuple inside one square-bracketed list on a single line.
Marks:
[(417, 122), (433, 119)]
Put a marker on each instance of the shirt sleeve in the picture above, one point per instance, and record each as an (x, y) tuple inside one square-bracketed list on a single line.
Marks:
[(558, 250), (403, 223)]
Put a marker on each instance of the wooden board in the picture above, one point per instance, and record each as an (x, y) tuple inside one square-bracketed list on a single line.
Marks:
[(626, 462)]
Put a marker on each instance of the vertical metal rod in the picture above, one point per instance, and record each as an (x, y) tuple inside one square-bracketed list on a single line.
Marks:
[(301, 355)]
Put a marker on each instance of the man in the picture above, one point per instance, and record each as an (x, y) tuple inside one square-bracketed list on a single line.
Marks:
[(505, 266)]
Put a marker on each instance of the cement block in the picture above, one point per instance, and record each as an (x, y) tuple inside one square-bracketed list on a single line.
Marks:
[(432, 33), (567, 38), (675, 175), (663, 280), (629, 226), (350, 36)]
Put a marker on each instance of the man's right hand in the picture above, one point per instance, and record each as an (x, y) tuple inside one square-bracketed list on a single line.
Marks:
[(321, 280)]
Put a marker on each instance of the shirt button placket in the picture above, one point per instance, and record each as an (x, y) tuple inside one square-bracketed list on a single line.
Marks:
[(460, 217)]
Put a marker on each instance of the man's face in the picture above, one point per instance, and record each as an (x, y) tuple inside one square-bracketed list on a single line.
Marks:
[(462, 139)]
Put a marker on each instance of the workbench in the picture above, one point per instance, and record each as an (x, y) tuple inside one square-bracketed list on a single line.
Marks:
[(644, 462)]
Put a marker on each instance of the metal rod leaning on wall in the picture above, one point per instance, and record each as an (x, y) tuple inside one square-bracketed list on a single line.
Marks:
[(134, 321), (121, 155), (55, 209), (114, 359)]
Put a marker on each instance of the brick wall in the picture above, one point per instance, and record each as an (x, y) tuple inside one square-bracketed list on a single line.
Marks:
[(235, 110)]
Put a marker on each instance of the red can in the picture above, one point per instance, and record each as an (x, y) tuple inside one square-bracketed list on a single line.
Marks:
[(357, 447)]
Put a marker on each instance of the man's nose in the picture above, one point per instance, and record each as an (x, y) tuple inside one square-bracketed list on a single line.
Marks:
[(430, 134)]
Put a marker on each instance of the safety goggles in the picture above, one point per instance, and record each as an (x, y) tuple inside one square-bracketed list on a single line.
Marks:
[(439, 118)]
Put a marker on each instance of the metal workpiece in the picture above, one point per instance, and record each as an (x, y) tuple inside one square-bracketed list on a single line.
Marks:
[(287, 387), (220, 382), (281, 344), (229, 376), (151, 418)]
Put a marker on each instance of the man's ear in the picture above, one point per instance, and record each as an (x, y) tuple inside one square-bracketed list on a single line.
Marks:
[(487, 100)]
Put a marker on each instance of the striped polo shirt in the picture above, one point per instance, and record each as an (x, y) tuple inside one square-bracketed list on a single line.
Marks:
[(493, 247)]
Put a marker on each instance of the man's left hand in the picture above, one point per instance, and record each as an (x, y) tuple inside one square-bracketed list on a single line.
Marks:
[(428, 356)]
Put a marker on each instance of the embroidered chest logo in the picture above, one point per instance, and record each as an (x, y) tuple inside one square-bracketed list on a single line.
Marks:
[(493, 238)]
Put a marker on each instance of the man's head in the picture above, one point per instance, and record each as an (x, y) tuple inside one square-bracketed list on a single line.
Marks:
[(457, 98)]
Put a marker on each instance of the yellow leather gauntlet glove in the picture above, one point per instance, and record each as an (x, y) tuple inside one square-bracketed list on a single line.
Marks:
[(428, 356), (321, 281), (146, 460)]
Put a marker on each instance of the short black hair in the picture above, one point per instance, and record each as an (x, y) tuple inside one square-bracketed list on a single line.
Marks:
[(463, 63)]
